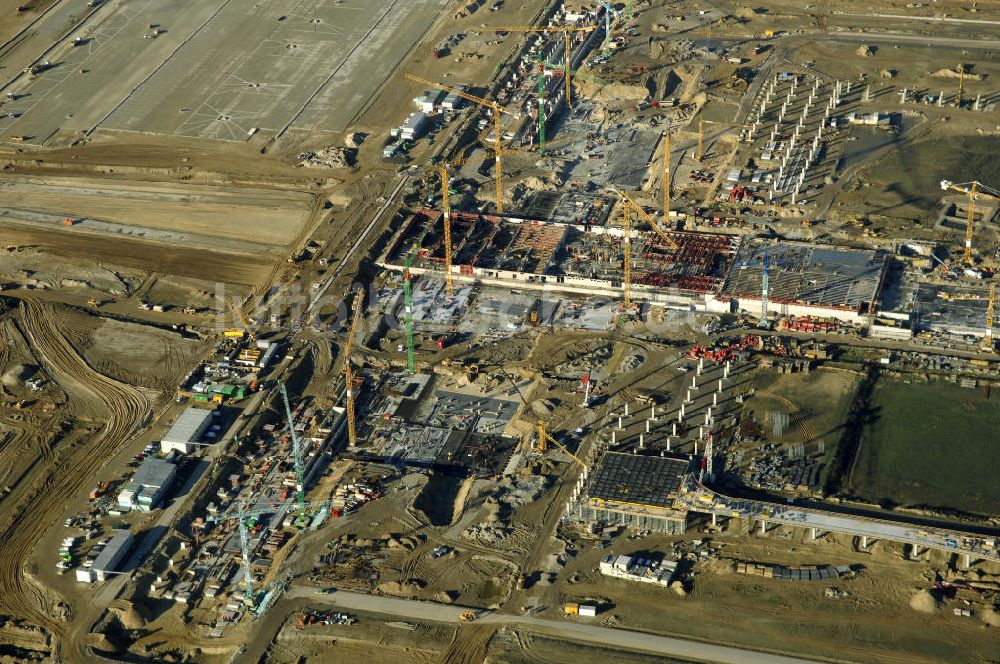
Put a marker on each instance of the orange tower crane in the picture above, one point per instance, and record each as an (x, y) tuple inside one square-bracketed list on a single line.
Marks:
[(567, 33), (974, 189), (352, 435), (497, 111)]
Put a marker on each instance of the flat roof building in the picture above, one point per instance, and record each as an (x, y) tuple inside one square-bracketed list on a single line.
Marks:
[(637, 492), (186, 432), (108, 560), (148, 486)]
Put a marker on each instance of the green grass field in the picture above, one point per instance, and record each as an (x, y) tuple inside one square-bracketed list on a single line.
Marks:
[(930, 444)]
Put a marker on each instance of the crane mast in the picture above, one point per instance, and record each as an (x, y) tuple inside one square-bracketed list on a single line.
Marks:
[(352, 435), (497, 110), (296, 453)]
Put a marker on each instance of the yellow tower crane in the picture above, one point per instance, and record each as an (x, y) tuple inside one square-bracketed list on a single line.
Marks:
[(497, 109), (974, 189), (665, 182), (567, 33), (352, 435), (629, 206), (544, 439), (961, 83), (990, 315)]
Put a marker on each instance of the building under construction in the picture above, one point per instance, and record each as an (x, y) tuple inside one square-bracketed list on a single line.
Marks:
[(804, 279), (635, 491), (513, 252)]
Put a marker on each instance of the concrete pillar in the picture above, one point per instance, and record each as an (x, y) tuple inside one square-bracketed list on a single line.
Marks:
[(715, 398), (668, 443), (720, 387), (763, 527), (642, 441), (647, 426), (652, 412), (701, 365), (701, 435), (941, 99), (619, 421), (673, 428), (680, 414), (614, 438), (694, 382), (715, 519), (966, 561), (688, 398), (626, 410), (696, 447)]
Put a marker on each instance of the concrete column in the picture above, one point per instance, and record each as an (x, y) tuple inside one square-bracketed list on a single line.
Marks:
[(715, 398), (694, 382), (688, 398), (715, 519), (701, 365), (614, 438), (941, 99), (626, 410), (668, 443), (652, 412), (966, 561), (619, 421), (701, 435), (647, 426), (673, 428), (763, 527), (720, 387), (642, 441), (680, 414)]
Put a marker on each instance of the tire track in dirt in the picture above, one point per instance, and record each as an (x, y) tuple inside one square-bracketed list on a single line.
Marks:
[(124, 410)]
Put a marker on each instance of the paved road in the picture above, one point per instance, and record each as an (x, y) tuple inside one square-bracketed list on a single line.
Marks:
[(924, 40), (560, 629)]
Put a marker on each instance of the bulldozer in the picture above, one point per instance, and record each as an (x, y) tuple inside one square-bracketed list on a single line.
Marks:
[(467, 616)]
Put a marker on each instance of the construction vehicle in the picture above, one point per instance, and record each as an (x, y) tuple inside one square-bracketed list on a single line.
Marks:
[(92, 303), (467, 616), (497, 111), (974, 189), (69, 221)]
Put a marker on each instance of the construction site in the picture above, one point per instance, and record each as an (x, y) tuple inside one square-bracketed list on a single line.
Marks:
[(474, 331)]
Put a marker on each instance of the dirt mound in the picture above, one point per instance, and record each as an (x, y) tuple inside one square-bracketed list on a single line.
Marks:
[(129, 615), (542, 407), (745, 13), (925, 602), (17, 374), (446, 596), (887, 73), (406, 588), (990, 617), (678, 588), (331, 157), (953, 73), (100, 641), (611, 92)]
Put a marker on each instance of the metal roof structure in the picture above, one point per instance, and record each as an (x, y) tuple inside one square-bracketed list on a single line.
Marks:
[(154, 473), (188, 427), (639, 480)]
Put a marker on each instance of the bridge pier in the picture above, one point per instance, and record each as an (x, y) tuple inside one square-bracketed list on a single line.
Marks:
[(966, 561), (763, 527), (815, 534), (917, 553), (864, 542)]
